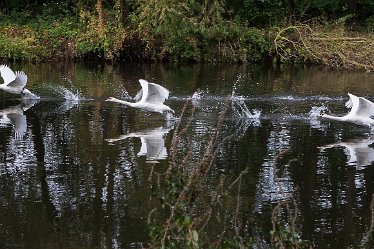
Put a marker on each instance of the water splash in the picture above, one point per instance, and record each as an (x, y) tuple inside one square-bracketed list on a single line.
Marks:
[(69, 94), (170, 118), (240, 108), (125, 95), (315, 115), (197, 95), (316, 111)]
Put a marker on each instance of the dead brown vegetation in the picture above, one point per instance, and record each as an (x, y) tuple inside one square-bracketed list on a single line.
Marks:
[(333, 46)]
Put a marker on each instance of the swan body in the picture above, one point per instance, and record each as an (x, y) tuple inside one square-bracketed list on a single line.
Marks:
[(153, 98), (14, 82), (361, 112)]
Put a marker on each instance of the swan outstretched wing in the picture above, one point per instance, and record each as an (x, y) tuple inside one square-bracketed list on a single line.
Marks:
[(352, 103), (360, 106), (7, 74), (20, 81), (366, 108), (153, 93)]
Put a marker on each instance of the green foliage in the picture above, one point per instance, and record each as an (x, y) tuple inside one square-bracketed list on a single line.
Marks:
[(171, 30), (285, 237), (196, 31), (263, 12), (285, 233)]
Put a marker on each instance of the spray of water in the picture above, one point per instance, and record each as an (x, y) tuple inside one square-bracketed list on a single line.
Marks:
[(197, 95), (69, 94), (242, 111), (316, 111), (240, 108)]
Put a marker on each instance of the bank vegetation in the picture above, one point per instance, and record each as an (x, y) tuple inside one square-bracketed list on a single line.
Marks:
[(337, 33)]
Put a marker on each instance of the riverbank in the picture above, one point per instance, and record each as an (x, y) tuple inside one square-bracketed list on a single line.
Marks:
[(57, 33), (42, 34)]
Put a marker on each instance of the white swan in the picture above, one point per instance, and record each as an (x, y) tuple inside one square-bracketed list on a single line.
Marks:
[(15, 82), (361, 112), (153, 143), (153, 98), (14, 115)]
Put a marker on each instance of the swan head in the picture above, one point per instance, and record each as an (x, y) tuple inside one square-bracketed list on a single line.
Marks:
[(111, 99)]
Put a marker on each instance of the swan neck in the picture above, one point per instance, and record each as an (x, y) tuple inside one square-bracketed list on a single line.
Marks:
[(333, 117), (122, 102)]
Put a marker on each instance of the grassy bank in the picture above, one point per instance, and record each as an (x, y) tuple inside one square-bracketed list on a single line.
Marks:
[(44, 35), (153, 32)]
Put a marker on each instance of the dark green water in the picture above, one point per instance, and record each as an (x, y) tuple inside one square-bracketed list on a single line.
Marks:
[(64, 185)]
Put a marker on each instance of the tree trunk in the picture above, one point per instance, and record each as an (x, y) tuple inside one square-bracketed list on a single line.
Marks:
[(101, 25)]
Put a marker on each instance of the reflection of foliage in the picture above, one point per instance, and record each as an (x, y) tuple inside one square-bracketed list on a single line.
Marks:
[(189, 207)]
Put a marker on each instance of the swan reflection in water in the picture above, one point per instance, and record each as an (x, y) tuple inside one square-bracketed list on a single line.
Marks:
[(153, 142), (359, 152), (14, 115)]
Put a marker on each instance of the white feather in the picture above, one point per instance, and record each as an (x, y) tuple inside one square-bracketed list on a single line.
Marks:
[(153, 98), (361, 111), (15, 82)]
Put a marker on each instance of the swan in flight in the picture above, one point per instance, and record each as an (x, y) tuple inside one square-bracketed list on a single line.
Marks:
[(14, 115), (153, 98), (361, 112), (15, 82), (153, 142)]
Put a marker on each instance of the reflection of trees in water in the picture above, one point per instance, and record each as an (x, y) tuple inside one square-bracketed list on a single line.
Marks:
[(275, 182), (65, 178)]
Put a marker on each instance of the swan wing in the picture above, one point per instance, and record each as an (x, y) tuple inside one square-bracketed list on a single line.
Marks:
[(365, 108), (7, 74), (144, 90), (352, 103), (155, 93), (20, 81), (360, 106)]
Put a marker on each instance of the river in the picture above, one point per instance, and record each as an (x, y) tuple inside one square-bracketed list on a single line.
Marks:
[(79, 172)]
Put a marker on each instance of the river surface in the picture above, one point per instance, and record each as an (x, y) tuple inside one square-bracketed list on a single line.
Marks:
[(74, 169)]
